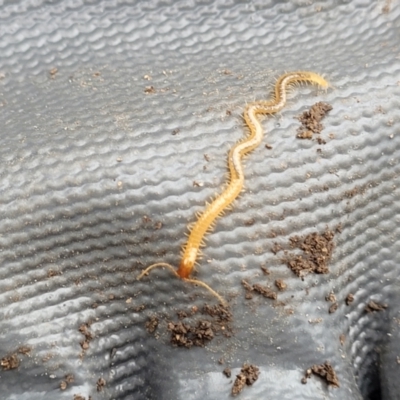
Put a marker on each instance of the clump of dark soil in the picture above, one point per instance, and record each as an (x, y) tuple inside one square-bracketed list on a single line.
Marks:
[(324, 371), (101, 382), (67, 381), (317, 252), (188, 334), (349, 299), (311, 120), (264, 291), (373, 306), (259, 289), (9, 362), (152, 324), (227, 372), (247, 376), (84, 329)]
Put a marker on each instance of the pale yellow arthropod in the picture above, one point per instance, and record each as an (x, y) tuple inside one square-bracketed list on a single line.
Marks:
[(213, 210)]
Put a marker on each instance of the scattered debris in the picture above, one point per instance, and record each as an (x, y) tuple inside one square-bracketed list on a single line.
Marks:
[(349, 299), (248, 375), (248, 288), (331, 297), (333, 308), (67, 380), (265, 291), (84, 330), (53, 72), (265, 270), (100, 384), (152, 324), (317, 251), (199, 333), (324, 371), (374, 306), (311, 121), (280, 284), (149, 89), (9, 362), (185, 335), (227, 372)]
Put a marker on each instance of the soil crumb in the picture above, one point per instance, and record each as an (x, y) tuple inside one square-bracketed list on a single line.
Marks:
[(324, 371), (67, 380), (317, 252), (152, 324), (100, 384), (84, 329), (373, 306), (333, 308), (185, 334), (280, 284), (349, 299), (9, 362), (248, 375), (311, 121), (227, 372), (265, 291)]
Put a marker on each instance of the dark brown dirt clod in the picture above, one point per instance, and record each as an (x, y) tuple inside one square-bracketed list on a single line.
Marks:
[(280, 284), (326, 372), (333, 308), (25, 350), (184, 335), (9, 362), (265, 291), (349, 299), (374, 306), (247, 376), (100, 384), (311, 121), (152, 324), (84, 329), (331, 297), (317, 252), (227, 372)]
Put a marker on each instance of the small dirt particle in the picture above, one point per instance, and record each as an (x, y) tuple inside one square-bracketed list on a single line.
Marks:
[(342, 339), (333, 308), (247, 376), (317, 252), (326, 372), (265, 291), (349, 299), (149, 89), (265, 270), (374, 306), (63, 385), (280, 284), (311, 120), (152, 324), (331, 297), (100, 384), (9, 362), (227, 372)]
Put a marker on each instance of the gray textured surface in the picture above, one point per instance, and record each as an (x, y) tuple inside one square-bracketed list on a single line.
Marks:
[(90, 168)]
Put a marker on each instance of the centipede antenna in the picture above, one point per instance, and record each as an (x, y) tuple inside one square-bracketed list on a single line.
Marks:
[(157, 265), (213, 292)]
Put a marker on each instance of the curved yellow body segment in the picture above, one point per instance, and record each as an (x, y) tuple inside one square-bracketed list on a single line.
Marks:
[(240, 149)]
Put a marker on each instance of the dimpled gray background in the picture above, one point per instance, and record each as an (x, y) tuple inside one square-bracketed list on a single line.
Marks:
[(95, 186)]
